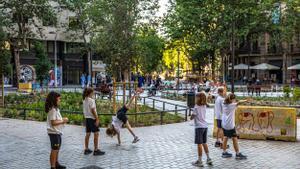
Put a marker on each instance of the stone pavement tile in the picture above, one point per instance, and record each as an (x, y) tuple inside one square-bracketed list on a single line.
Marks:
[(25, 144)]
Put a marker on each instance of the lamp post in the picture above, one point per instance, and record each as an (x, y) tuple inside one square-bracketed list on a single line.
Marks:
[(178, 53), (55, 59)]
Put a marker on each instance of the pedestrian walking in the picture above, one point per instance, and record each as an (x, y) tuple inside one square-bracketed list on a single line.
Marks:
[(228, 124), (91, 122), (121, 119), (55, 124), (201, 125)]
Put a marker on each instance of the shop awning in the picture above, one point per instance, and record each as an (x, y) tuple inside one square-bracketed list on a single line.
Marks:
[(265, 66), (295, 67)]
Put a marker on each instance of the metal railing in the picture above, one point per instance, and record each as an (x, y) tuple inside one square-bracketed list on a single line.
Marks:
[(161, 113)]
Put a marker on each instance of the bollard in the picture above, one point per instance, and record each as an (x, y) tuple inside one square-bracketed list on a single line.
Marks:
[(185, 114), (163, 106), (161, 118), (153, 105), (144, 100), (24, 114), (176, 110)]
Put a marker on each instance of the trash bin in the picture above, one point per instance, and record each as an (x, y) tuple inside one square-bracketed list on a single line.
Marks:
[(190, 99)]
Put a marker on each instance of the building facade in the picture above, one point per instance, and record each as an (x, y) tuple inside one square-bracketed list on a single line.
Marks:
[(62, 43), (262, 51)]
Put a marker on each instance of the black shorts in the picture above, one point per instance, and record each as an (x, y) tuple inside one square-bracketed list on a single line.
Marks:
[(55, 140), (219, 123), (90, 125), (200, 135), (229, 133), (121, 115)]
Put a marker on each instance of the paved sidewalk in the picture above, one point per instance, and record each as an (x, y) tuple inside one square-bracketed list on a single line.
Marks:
[(25, 144)]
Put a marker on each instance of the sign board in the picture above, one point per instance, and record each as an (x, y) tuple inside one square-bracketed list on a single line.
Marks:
[(260, 122), (98, 66)]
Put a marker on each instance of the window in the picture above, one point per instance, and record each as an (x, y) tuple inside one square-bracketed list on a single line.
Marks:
[(73, 23), (73, 47)]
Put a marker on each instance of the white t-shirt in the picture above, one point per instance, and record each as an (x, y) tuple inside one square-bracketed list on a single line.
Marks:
[(218, 107), (117, 123), (54, 114), (228, 119), (88, 104), (200, 112)]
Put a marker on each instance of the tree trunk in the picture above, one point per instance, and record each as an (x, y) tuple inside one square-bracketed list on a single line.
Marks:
[(17, 65)]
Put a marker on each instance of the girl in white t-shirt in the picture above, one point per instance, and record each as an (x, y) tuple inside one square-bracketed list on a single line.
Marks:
[(228, 124), (91, 122), (55, 123), (199, 117)]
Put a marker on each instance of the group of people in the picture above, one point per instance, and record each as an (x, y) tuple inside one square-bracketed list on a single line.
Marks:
[(225, 106), (55, 124)]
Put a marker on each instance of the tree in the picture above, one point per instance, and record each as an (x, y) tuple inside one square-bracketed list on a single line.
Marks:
[(87, 14), (43, 64), (117, 31), (5, 55), (149, 48), (22, 21)]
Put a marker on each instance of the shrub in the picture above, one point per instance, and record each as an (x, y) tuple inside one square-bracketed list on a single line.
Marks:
[(296, 94), (286, 91)]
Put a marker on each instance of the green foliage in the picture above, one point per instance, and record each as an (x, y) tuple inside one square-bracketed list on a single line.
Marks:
[(117, 22), (5, 54), (43, 64), (149, 50), (287, 91), (296, 94), (71, 107)]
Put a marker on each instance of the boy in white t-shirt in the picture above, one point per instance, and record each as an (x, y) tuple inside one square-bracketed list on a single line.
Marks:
[(91, 121), (228, 125), (199, 117), (55, 124), (121, 119), (218, 115)]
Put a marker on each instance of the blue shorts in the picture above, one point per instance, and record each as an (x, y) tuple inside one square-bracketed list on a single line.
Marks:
[(219, 123)]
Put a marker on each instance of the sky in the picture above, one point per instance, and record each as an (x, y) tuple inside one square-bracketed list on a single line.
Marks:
[(163, 7)]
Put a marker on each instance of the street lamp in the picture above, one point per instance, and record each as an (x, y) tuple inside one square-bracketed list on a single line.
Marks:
[(55, 59), (178, 53)]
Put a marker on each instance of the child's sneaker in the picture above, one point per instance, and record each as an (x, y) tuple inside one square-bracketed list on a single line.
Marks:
[(98, 153), (59, 166), (217, 144), (209, 161), (198, 163), (136, 139), (87, 151), (226, 155), (240, 156)]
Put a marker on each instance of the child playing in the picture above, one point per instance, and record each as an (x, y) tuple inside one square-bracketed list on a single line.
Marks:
[(91, 121), (121, 119), (55, 123), (201, 125), (229, 106), (218, 115)]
